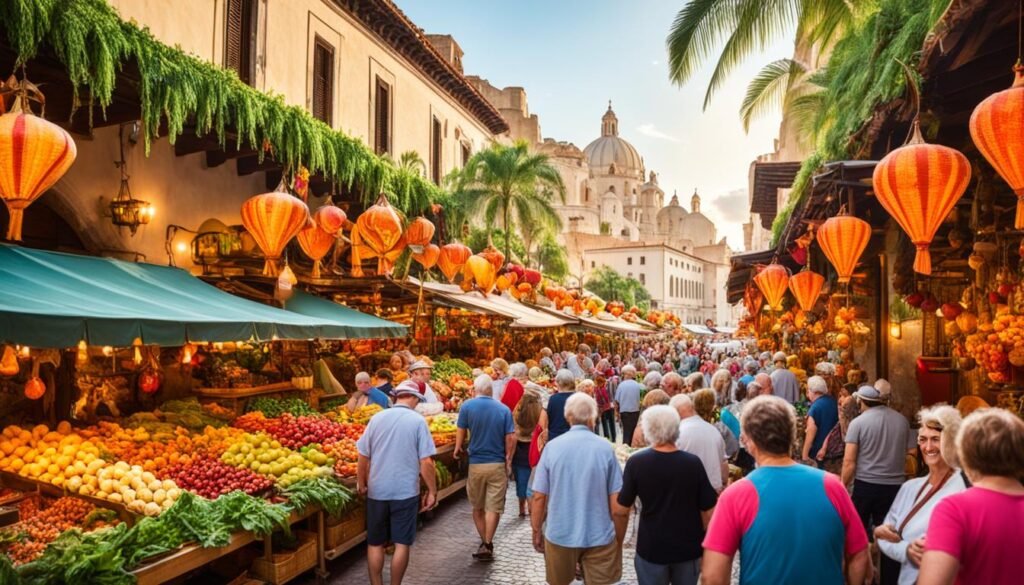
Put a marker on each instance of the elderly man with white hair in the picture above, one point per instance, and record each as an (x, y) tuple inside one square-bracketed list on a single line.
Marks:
[(784, 382), (821, 418), (677, 499), (627, 403), (672, 383), (701, 438), (492, 442), (652, 380), (575, 485)]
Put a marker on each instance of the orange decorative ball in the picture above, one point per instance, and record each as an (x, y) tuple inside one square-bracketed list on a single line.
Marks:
[(35, 388), (273, 219)]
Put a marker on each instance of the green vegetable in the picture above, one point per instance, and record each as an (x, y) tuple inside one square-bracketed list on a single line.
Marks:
[(8, 576), (322, 491), (445, 369), (275, 407), (253, 514), (98, 515)]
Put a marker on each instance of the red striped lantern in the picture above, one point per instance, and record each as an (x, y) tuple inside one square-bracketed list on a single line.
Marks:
[(997, 127), (380, 227), (274, 219), (34, 154), (773, 280), (843, 238), (453, 257), (806, 286), (330, 218), (918, 184), (316, 243)]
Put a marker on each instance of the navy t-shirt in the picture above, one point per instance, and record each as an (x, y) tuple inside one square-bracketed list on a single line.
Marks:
[(556, 415), (825, 413), (488, 422)]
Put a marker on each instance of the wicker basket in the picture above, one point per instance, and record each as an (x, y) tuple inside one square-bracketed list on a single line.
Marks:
[(338, 531), (286, 566)]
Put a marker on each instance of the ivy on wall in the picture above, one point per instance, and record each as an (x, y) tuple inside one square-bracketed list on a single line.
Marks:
[(94, 44)]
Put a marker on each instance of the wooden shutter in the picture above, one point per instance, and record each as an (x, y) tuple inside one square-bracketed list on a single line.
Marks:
[(239, 37), (435, 151), (382, 118), (323, 80), (465, 153)]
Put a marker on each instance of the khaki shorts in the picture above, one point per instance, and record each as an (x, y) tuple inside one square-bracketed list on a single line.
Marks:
[(602, 565), (486, 487)]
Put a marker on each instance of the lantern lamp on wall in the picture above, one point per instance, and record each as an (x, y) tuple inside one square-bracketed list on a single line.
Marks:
[(126, 210), (895, 330)]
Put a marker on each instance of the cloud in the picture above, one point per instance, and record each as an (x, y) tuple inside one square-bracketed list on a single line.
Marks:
[(653, 132), (732, 207)]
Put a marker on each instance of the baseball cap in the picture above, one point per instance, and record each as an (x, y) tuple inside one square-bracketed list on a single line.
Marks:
[(869, 393), (420, 365), (409, 388)]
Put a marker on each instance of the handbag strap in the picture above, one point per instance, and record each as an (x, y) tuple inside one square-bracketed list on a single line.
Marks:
[(917, 507)]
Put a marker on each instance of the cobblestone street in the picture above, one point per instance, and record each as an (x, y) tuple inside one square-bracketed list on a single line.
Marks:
[(441, 555)]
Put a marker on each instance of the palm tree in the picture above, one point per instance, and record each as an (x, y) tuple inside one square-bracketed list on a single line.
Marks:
[(509, 182), (744, 27)]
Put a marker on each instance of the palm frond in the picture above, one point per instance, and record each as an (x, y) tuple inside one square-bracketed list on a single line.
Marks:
[(770, 88)]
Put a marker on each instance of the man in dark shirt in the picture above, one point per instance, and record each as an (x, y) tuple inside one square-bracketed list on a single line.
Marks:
[(384, 379), (677, 499)]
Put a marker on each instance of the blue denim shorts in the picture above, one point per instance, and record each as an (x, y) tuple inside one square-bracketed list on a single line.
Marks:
[(391, 521)]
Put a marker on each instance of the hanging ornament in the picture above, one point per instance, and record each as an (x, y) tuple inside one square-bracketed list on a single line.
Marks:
[(34, 153), (452, 258), (997, 128), (482, 272), (380, 227), (316, 243), (300, 183), (496, 258), (918, 184), (35, 388), (843, 238), (9, 362), (273, 219), (428, 258), (82, 353), (419, 233), (386, 262), (330, 218), (286, 282), (806, 286), (773, 281)]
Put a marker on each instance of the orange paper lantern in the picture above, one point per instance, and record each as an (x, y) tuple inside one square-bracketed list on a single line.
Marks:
[(428, 258), (773, 281), (34, 154), (918, 184), (806, 286), (843, 239), (35, 388), (419, 232), (496, 258), (997, 127), (316, 243), (482, 272), (386, 262), (273, 219), (380, 227), (453, 257), (330, 218)]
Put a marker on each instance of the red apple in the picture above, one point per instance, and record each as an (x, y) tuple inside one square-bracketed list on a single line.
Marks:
[(995, 298), (531, 277), (929, 304), (915, 300), (951, 311), (1005, 289)]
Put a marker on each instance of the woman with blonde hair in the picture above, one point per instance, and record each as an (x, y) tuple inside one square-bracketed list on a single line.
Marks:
[(721, 383), (654, 397), (901, 536), (694, 382), (704, 405), (527, 418), (974, 536)]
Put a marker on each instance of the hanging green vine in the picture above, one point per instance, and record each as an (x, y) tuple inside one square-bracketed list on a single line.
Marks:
[(862, 73), (94, 45)]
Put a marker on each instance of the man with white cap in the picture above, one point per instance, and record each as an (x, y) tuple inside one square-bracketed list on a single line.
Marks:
[(394, 453), (784, 382), (420, 371), (877, 443)]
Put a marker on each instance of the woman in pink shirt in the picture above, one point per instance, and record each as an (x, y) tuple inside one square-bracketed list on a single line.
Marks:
[(975, 536)]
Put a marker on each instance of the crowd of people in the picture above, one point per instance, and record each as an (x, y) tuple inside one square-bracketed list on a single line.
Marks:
[(721, 472)]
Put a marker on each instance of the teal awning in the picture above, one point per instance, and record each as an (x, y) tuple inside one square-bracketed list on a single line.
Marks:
[(50, 299), (355, 323)]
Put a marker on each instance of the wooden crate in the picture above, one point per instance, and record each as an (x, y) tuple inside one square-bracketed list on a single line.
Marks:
[(341, 530), (284, 567)]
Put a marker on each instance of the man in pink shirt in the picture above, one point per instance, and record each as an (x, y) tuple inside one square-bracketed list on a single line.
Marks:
[(791, 523)]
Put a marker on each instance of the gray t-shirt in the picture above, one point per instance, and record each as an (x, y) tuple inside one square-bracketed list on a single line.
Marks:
[(883, 437), (785, 385)]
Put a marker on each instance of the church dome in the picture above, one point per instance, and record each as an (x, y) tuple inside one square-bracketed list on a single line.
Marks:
[(670, 217), (697, 226), (610, 154)]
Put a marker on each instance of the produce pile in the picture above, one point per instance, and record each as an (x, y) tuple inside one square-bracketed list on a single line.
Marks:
[(452, 382), (346, 456), (37, 527), (266, 456), (361, 416), (275, 407), (442, 428), (210, 478)]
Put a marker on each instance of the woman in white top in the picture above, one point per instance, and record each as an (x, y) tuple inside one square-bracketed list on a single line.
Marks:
[(901, 538)]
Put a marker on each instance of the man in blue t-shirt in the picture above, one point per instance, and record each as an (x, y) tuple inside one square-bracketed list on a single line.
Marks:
[(822, 417), (492, 442), (366, 394)]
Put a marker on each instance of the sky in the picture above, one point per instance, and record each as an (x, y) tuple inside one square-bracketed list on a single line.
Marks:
[(572, 56)]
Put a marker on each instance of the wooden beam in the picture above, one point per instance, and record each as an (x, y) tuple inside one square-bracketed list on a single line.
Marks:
[(248, 165)]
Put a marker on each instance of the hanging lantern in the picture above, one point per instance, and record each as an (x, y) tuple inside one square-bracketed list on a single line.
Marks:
[(316, 243), (330, 218), (482, 272), (773, 281), (34, 154), (9, 362), (496, 258), (843, 239), (428, 258), (806, 286), (380, 227), (997, 127), (286, 282), (35, 388), (419, 233), (918, 184), (150, 380), (273, 219), (386, 262), (453, 257)]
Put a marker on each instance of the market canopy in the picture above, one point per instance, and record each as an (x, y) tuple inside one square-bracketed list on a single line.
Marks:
[(356, 324), (698, 329), (521, 315), (50, 299), (613, 325)]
